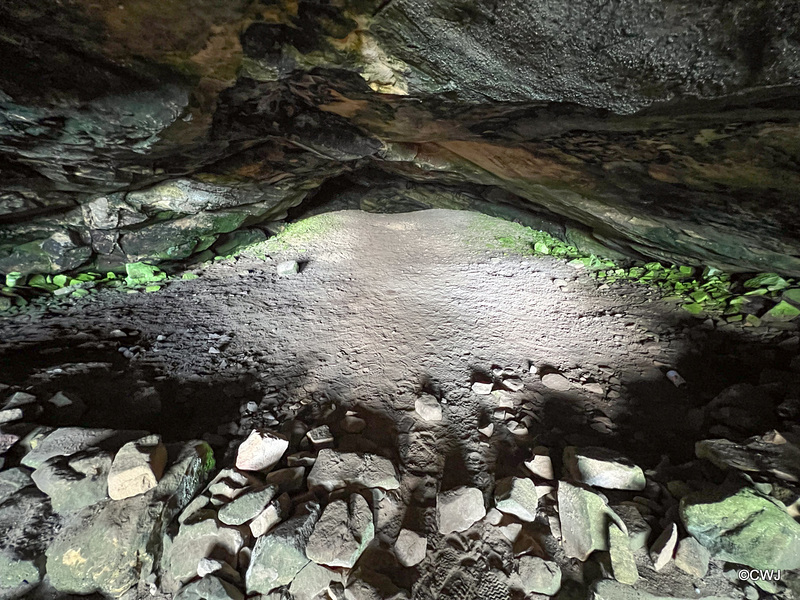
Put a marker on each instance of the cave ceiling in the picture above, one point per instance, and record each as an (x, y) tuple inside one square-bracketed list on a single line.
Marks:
[(143, 130)]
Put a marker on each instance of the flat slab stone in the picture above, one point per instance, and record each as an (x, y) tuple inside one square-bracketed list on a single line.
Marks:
[(539, 576), (247, 506), (584, 521), (623, 563), (556, 382), (410, 548), (342, 533), (603, 468), (76, 481), (280, 555), (663, 548), (517, 496), (333, 470), (69, 440), (743, 527), (459, 509)]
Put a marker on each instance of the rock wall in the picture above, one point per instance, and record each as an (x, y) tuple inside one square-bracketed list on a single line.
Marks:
[(143, 131)]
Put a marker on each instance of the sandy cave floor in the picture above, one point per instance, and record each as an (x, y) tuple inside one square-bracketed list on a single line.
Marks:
[(385, 307)]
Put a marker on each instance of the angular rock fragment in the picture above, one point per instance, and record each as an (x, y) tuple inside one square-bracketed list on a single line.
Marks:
[(287, 480), (410, 548), (459, 509), (622, 562), (556, 382), (19, 406), (261, 451), (13, 480), (517, 496), (428, 408), (209, 588), (79, 560), (541, 464), (76, 481), (333, 470), (69, 440), (287, 267), (137, 468), (320, 435), (280, 555), (539, 576), (584, 521), (247, 506), (311, 581), (273, 514), (482, 389), (663, 548), (603, 468), (692, 558), (342, 533), (638, 529), (766, 454), (194, 542), (743, 527)]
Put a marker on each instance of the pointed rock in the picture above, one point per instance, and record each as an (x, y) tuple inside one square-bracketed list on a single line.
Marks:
[(663, 548), (692, 558)]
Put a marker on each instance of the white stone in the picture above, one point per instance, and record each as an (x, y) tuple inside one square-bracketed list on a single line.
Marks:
[(287, 267), (513, 384), (428, 408), (487, 431), (540, 464), (459, 509), (137, 468), (320, 435), (261, 451), (664, 547), (481, 388), (273, 514)]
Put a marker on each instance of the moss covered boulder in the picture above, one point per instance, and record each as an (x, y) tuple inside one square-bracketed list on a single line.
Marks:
[(744, 527)]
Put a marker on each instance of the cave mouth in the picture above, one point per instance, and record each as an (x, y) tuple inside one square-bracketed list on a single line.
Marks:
[(438, 340)]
